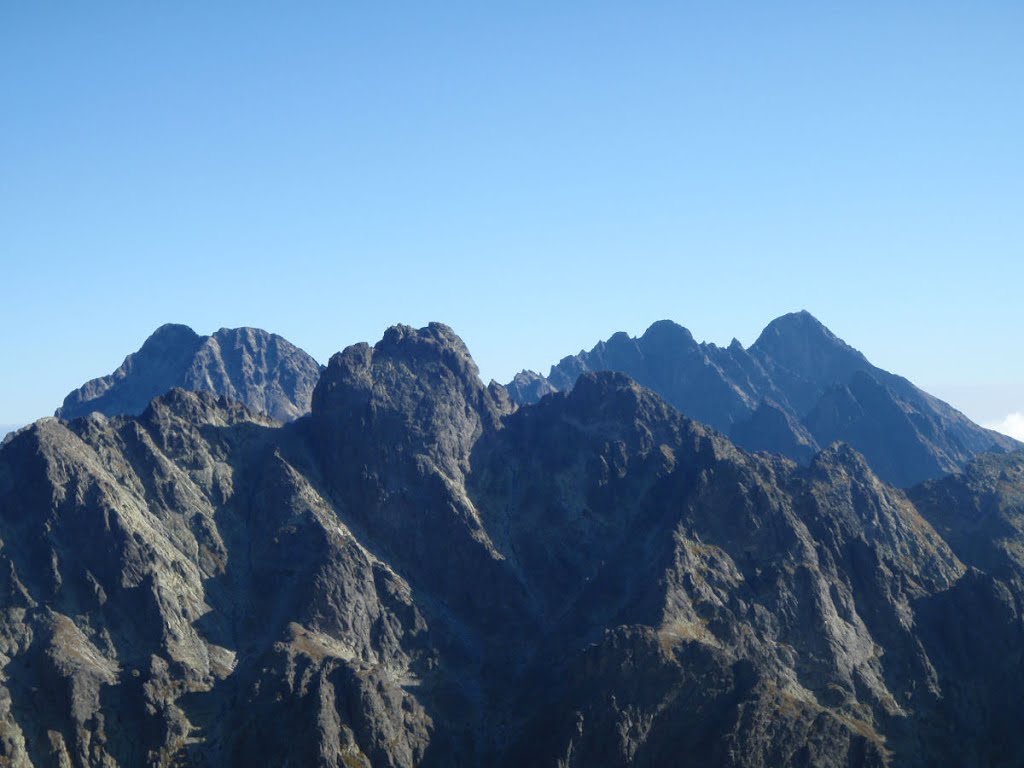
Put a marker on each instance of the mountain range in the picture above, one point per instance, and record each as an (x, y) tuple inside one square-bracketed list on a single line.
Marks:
[(572, 571), (797, 390)]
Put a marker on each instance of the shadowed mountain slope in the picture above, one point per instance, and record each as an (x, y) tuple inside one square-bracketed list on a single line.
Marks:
[(980, 512), (796, 390), (418, 573), (260, 369)]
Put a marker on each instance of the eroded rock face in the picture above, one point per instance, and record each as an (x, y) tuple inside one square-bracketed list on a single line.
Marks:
[(797, 389), (259, 369), (419, 573)]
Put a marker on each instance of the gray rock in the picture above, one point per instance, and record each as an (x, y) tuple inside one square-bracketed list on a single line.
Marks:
[(260, 369), (980, 512), (418, 573)]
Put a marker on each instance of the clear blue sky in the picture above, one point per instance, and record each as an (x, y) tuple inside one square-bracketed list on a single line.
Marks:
[(537, 175)]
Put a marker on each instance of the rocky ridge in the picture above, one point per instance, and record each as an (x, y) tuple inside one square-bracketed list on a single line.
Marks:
[(420, 573), (798, 389)]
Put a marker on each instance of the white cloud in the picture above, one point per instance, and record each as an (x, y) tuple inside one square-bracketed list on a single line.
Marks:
[(1012, 425)]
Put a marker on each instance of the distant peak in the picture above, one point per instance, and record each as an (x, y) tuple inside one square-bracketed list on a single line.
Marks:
[(171, 328), (668, 331), (170, 341), (528, 387), (242, 331), (797, 327), (802, 320), (668, 328), (254, 338), (805, 358), (171, 333), (248, 364), (526, 376)]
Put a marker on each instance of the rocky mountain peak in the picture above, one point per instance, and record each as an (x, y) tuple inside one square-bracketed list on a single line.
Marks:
[(171, 335), (436, 343), (411, 358), (260, 369), (606, 394), (416, 393), (611, 407), (801, 323), (667, 333), (801, 344), (612, 393)]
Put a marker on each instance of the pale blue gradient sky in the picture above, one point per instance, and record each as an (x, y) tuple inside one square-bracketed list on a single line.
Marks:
[(537, 177)]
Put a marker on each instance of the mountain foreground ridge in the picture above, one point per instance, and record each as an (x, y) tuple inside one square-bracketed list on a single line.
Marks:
[(421, 573)]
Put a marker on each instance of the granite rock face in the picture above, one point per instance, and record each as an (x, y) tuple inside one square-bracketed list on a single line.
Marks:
[(260, 369), (419, 573), (796, 390)]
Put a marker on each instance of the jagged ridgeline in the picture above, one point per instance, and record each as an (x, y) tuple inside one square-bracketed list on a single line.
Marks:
[(419, 572), (797, 390)]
